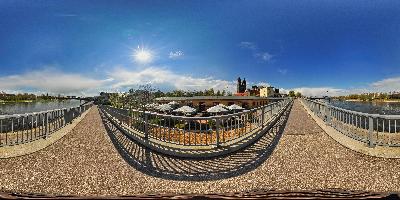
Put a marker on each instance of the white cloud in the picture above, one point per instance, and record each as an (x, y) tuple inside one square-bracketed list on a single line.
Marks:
[(265, 84), (317, 91), (261, 55), (282, 71), (49, 81), (176, 54), (264, 56), (387, 85), (52, 81), (66, 15), (163, 77), (248, 45)]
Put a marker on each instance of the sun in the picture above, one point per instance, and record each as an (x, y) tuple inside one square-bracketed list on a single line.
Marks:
[(142, 55)]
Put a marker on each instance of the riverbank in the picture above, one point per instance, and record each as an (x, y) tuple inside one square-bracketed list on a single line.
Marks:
[(375, 100), (17, 101), (31, 101)]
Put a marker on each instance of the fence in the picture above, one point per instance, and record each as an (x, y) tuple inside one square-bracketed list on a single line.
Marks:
[(372, 129), (194, 133), (23, 128)]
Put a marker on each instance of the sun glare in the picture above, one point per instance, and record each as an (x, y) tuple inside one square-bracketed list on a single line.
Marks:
[(142, 55)]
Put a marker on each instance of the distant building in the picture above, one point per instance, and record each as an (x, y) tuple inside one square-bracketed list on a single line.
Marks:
[(241, 88), (255, 90), (269, 92)]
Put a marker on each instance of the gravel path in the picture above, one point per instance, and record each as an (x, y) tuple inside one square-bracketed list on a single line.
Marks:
[(95, 158)]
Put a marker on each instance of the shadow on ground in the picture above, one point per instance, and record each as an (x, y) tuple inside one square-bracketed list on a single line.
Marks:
[(175, 168)]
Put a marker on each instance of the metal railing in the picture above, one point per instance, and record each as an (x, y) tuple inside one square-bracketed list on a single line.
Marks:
[(182, 132), (23, 128), (372, 129)]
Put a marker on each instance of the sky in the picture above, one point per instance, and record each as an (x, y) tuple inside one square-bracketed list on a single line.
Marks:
[(320, 47)]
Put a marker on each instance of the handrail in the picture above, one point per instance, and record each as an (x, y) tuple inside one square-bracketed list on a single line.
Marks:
[(24, 128), (194, 134), (357, 112), (373, 129)]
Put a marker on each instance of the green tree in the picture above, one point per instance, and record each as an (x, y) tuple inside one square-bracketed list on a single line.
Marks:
[(292, 94), (298, 94), (223, 93)]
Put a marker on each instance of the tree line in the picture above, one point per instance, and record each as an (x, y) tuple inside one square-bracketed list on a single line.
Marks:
[(370, 96), (24, 97), (183, 93)]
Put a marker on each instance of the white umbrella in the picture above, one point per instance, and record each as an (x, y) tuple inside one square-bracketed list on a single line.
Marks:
[(164, 107), (185, 109), (235, 107), (216, 109), (173, 103), (151, 105)]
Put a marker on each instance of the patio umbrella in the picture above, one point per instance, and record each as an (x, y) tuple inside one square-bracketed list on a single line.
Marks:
[(216, 109), (151, 105), (164, 108), (185, 109), (235, 107), (173, 103)]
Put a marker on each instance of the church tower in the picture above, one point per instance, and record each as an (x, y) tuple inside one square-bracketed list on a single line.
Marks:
[(239, 85), (244, 85)]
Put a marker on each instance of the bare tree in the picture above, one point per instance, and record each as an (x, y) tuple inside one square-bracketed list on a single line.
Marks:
[(138, 98)]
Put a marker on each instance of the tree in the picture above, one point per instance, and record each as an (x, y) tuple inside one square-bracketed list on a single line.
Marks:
[(292, 94), (298, 94), (210, 92)]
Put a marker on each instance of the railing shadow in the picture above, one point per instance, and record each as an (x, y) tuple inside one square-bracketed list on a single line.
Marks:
[(175, 168)]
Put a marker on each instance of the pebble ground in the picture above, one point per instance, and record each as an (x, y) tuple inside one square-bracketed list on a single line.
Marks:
[(93, 160)]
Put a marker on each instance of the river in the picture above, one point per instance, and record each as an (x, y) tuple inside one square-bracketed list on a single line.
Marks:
[(384, 108), (36, 106)]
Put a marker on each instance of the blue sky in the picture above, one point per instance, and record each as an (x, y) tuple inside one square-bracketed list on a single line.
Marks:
[(83, 47)]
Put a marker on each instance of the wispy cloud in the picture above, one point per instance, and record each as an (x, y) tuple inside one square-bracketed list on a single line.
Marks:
[(262, 56), (161, 77), (248, 45), (51, 81), (176, 54), (387, 85), (316, 91), (282, 71), (265, 84), (66, 15)]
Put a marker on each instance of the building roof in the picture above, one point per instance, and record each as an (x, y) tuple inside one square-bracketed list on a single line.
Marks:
[(210, 98)]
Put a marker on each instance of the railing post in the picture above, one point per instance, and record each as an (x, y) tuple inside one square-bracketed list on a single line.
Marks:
[(46, 117), (217, 132), (371, 143), (65, 116), (327, 115), (262, 117), (146, 125)]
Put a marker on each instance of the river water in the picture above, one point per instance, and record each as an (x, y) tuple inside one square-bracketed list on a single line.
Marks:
[(383, 108), (20, 108)]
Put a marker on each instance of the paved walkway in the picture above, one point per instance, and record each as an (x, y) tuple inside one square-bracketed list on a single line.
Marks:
[(95, 158)]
